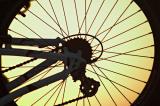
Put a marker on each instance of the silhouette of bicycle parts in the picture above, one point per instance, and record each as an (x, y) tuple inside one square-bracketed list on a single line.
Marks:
[(55, 52)]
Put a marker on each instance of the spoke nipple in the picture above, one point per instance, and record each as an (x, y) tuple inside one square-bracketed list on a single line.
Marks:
[(22, 14)]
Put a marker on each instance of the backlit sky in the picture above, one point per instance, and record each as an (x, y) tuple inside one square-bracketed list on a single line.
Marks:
[(131, 25)]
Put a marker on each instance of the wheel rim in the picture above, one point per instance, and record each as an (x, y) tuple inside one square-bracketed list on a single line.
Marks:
[(119, 52)]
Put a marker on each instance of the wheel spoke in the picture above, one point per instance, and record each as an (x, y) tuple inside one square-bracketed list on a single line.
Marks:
[(105, 59), (22, 35), (64, 13), (88, 101), (96, 16), (50, 70), (100, 68), (49, 15), (121, 33), (75, 5), (98, 100), (57, 18), (31, 29), (119, 22), (58, 94), (61, 33), (104, 86), (85, 17), (124, 54), (128, 51), (107, 17), (64, 91), (114, 23), (128, 41), (114, 82), (58, 85)]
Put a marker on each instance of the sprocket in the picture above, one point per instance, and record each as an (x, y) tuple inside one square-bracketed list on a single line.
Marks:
[(76, 44)]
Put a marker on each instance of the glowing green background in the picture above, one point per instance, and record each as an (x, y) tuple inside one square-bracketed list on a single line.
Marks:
[(72, 88)]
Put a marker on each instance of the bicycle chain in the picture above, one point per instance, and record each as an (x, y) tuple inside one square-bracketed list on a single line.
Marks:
[(70, 101), (19, 65)]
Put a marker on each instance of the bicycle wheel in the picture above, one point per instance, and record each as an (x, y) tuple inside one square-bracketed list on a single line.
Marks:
[(118, 35)]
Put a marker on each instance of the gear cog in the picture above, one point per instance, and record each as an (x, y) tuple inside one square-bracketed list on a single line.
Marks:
[(76, 44)]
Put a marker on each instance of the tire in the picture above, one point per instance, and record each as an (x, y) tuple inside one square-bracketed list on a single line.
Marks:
[(151, 93)]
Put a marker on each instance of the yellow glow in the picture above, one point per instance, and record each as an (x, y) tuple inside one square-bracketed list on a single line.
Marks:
[(72, 88)]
